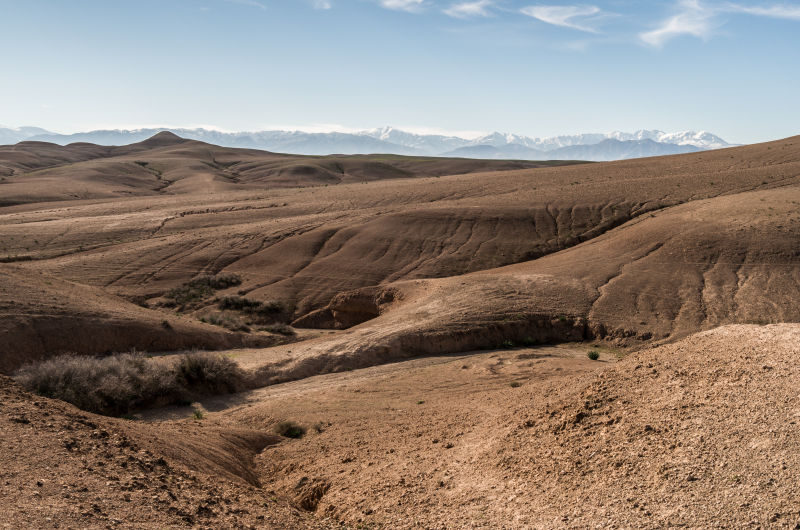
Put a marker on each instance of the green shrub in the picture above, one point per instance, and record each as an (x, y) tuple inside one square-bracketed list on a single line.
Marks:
[(593, 355), (197, 414), (527, 341), (289, 429), (507, 344)]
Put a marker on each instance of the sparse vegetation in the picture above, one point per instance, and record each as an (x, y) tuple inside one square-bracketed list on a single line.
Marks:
[(289, 429), (208, 372), (593, 355), (249, 306), (281, 329), (528, 341), (121, 383), (165, 324), (515, 384), (231, 322), (202, 287), (197, 414), (508, 344)]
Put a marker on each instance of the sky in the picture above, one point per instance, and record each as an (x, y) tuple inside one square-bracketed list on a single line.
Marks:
[(428, 66)]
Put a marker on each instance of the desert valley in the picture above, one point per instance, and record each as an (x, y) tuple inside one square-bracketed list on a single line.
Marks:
[(387, 341)]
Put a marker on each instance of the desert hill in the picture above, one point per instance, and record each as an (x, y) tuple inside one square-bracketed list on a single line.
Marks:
[(444, 362), (166, 164), (45, 315), (697, 227)]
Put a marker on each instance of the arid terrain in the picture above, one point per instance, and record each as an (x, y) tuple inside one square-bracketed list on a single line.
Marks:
[(427, 321)]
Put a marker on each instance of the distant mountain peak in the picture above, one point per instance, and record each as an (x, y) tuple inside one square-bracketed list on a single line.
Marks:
[(164, 139), (386, 139)]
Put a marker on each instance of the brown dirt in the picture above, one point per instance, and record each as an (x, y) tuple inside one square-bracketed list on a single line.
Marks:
[(63, 468), (672, 258), (700, 433)]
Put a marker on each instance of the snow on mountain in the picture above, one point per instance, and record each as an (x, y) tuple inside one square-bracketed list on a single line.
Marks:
[(701, 139), (497, 139), (13, 135), (379, 140), (428, 143)]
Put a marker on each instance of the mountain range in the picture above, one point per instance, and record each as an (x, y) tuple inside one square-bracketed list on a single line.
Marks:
[(593, 146)]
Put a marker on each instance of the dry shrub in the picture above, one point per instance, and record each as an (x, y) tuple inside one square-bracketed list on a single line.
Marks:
[(126, 382), (249, 306), (115, 384), (201, 287), (210, 372), (231, 322), (282, 329), (289, 429)]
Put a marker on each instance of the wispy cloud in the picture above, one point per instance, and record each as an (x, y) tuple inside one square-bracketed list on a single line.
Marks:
[(412, 6), (469, 9), (575, 17), (776, 11), (249, 2), (322, 4), (696, 19), (700, 20)]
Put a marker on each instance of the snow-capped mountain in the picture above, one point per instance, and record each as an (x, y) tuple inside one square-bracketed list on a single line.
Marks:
[(12, 135), (427, 143), (393, 141)]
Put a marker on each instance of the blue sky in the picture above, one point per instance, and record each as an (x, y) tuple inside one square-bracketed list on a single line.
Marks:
[(475, 66)]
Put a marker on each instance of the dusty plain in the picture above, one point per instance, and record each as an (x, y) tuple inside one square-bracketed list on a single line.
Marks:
[(412, 285)]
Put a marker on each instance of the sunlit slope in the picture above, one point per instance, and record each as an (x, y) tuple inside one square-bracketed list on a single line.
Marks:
[(36, 172), (43, 315), (307, 245)]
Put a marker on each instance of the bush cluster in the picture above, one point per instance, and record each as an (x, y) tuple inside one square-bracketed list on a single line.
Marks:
[(125, 382), (289, 429), (201, 287), (282, 329), (249, 306), (233, 323)]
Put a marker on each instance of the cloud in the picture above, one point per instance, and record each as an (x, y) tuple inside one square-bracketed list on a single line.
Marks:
[(696, 19), (412, 6), (322, 4), (574, 17), (776, 11), (469, 9), (700, 20), (248, 2)]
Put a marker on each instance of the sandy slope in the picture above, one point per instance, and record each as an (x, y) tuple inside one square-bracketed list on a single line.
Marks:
[(700, 433), (63, 468), (636, 250), (673, 258)]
